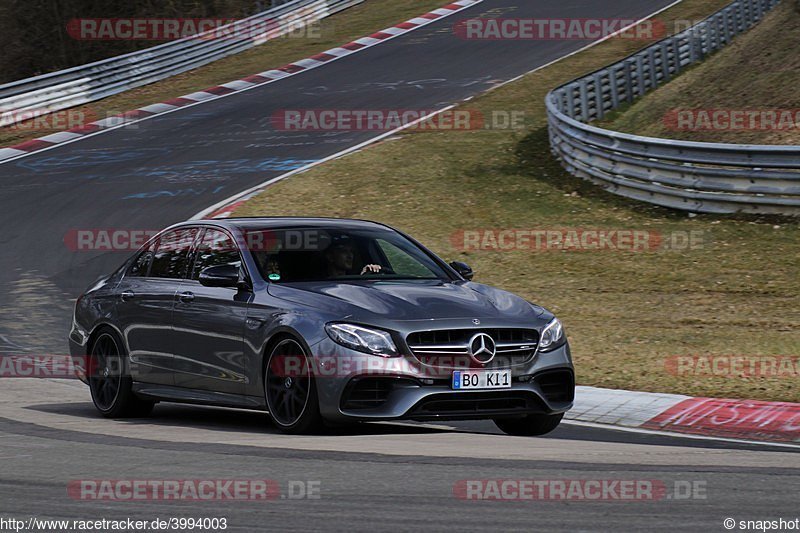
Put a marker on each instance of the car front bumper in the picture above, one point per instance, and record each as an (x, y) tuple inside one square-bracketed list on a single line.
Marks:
[(356, 386)]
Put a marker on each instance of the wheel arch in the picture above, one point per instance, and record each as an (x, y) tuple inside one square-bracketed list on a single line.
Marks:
[(99, 328), (281, 333)]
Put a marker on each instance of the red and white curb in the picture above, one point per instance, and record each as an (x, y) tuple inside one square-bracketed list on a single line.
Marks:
[(710, 417), (226, 89)]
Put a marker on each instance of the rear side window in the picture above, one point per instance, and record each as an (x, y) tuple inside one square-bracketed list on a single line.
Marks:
[(171, 257), (216, 248)]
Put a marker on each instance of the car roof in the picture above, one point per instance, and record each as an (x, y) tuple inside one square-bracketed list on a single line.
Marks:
[(258, 223)]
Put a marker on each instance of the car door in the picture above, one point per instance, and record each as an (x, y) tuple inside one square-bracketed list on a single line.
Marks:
[(145, 300), (209, 322)]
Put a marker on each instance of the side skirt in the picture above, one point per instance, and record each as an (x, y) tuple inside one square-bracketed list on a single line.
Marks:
[(199, 397)]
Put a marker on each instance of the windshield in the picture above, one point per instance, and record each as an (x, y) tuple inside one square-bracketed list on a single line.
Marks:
[(317, 254)]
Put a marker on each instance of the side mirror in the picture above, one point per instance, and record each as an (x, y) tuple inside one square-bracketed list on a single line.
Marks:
[(463, 269), (220, 276)]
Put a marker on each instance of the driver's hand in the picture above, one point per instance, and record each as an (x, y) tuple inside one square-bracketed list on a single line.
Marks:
[(375, 269)]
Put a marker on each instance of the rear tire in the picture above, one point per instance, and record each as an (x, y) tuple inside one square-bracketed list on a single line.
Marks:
[(110, 382), (530, 425), (290, 389)]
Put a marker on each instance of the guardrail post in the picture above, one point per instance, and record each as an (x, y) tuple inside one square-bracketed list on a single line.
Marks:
[(665, 73), (748, 13), (651, 58), (702, 41), (738, 23), (598, 95), (726, 26), (640, 74), (676, 53), (613, 85), (571, 101), (629, 66), (716, 24), (584, 97)]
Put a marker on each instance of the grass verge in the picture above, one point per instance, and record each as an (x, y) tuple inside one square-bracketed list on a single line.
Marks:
[(627, 314), (760, 70), (336, 30)]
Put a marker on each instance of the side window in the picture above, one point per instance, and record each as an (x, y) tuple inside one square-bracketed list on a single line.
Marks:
[(216, 248), (171, 256)]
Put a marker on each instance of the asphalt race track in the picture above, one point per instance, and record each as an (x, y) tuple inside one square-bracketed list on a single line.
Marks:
[(380, 476), (373, 477)]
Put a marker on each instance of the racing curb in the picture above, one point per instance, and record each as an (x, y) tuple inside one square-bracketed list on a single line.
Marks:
[(225, 89), (709, 417)]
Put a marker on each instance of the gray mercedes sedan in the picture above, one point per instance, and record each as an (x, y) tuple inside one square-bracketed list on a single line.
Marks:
[(316, 320)]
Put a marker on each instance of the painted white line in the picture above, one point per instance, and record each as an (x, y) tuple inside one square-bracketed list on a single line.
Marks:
[(677, 434), (235, 197), (8, 159)]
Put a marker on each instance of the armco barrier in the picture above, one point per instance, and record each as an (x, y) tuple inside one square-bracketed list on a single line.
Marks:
[(692, 176), (86, 83)]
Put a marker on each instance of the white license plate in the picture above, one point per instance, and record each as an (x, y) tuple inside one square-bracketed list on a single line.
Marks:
[(481, 379)]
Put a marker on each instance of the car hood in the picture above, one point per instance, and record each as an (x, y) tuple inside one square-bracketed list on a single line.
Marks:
[(404, 300)]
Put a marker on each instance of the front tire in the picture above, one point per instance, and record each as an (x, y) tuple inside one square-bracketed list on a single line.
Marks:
[(530, 425), (290, 390), (110, 382)]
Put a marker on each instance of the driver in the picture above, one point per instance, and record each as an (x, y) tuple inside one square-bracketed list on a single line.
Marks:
[(339, 259), (269, 265)]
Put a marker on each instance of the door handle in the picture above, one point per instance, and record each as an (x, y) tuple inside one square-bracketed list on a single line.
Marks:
[(126, 295), (186, 297)]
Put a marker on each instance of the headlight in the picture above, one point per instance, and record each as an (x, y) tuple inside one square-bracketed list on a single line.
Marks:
[(371, 341), (552, 336)]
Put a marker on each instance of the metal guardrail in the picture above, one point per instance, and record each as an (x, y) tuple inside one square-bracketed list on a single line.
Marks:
[(87, 83), (692, 176)]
